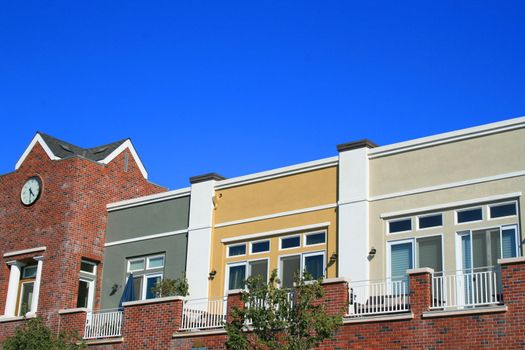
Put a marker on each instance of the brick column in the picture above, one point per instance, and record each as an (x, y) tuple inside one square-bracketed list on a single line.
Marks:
[(72, 320), (420, 285), (234, 300), (150, 324), (513, 283), (336, 296)]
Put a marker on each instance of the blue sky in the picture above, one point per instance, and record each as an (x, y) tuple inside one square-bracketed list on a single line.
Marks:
[(240, 87)]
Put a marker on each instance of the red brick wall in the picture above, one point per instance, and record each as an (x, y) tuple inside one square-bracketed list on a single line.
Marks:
[(69, 219)]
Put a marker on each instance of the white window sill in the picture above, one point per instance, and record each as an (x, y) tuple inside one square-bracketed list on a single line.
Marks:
[(4, 318)]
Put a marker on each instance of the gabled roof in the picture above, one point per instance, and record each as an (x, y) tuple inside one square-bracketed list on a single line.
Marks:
[(58, 149)]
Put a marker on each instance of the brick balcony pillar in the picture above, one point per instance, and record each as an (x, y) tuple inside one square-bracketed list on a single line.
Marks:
[(420, 285), (513, 282), (336, 296), (72, 320), (234, 300)]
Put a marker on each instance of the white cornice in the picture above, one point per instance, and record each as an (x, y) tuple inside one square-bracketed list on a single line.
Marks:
[(122, 147), (276, 232), (276, 215), (452, 136), (24, 251), (144, 238), (159, 197), (279, 172), (40, 140)]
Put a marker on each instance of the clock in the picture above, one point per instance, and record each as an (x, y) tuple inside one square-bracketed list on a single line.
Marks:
[(31, 190)]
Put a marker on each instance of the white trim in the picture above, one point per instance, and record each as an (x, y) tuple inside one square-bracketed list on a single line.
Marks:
[(40, 140), (394, 317), (279, 172), (143, 238), (24, 251), (136, 259), (91, 291), (305, 255), (90, 263), (449, 205), (235, 245), (474, 311), (72, 311), (287, 237), (145, 278), (227, 274), (389, 245), (151, 301), (448, 137), (120, 149), (277, 215), (448, 185), (275, 232), (148, 258), (489, 214), (158, 197)]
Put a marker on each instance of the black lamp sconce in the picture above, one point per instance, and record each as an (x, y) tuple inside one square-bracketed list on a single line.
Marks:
[(212, 274), (372, 251), (332, 260), (114, 289)]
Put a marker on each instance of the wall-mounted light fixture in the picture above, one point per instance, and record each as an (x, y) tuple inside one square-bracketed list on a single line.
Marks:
[(333, 258), (372, 251), (212, 274)]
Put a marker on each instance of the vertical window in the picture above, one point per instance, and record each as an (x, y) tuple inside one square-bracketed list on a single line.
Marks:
[(314, 264), (151, 282), (430, 253), (259, 268), (147, 272), (401, 259), (290, 266), (25, 290), (236, 276), (86, 284)]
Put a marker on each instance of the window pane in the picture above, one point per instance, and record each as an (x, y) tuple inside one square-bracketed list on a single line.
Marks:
[(290, 242), (401, 259), (87, 267), (499, 211), (290, 266), (465, 251), (316, 238), (508, 236), (259, 268), (400, 225), (470, 215), (314, 265), (430, 253), (480, 245), (137, 288), (237, 277), (26, 298), (150, 283), (234, 250), (83, 294), (29, 272), (155, 262), (260, 247), (431, 221), (136, 265)]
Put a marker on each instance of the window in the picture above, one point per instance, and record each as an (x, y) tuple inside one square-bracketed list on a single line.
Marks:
[(25, 287), (400, 225), (86, 284), (237, 273), (502, 210), (430, 253), (428, 221), (420, 252), (260, 247), (315, 238), (147, 272), (236, 250), (290, 242), (469, 215), (313, 263)]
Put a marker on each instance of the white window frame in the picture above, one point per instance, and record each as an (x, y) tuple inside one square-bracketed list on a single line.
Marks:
[(489, 214), (290, 236), (301, 261), (235, 245), (389, 253), (154, 257), (91, 291), (247, 270), (418, 228), (416, 250), (305, 255), (129, 270), (260, 241), (20, 291), (456, 221), (397, 220), (314, 233), (145, 282), (94, 273)]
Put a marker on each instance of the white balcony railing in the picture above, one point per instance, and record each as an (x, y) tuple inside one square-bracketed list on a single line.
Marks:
[(375, 297), (203, 313), (466, 288), (103, 324)]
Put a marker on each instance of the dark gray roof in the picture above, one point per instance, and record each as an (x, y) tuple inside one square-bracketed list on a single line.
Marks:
[(63, 149)]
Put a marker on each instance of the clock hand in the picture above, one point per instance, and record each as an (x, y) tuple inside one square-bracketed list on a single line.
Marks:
[(31, 193)]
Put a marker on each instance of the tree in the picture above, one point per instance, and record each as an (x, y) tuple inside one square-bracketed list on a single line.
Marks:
[(35, 335), (169, 287), (276, 318)]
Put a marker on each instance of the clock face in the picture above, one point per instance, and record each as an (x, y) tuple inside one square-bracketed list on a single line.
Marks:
[(31, 190)]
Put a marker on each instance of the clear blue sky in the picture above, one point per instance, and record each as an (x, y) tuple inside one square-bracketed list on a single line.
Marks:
[(241, 87)]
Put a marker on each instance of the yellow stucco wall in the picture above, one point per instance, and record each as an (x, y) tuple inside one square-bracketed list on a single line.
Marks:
[(298, 191)]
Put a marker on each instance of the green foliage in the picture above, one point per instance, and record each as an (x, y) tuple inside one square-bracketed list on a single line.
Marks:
[(169, 287), (35, 335), (279, 318)]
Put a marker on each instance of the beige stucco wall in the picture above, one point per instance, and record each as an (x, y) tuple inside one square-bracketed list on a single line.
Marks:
[(459, 161), (298, 191)]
